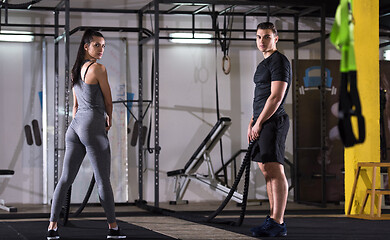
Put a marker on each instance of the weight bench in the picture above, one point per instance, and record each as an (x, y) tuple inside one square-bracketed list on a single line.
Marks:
[(6, 174), (202, 154)]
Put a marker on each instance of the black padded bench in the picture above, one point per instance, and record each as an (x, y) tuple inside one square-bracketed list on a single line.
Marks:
[(184, 175)]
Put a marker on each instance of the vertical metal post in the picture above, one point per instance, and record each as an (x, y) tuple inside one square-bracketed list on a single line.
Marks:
[(156, 102), (140, 110), (44, 123), (127, 75), (193, 25), (56, 98), (6, 12), (244, 26), (67, 42), (295, 108), (323, 108), (1, 6), (268, 11)]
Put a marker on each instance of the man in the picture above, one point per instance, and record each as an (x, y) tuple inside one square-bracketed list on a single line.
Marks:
[(269, 126)]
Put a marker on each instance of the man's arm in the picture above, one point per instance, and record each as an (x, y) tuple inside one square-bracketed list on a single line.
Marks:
[(278, 89)]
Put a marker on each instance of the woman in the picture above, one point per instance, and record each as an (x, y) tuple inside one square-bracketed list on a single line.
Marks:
[(92, 118)]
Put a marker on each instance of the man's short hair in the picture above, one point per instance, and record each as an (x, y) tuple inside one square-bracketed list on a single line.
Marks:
[(267, 25)]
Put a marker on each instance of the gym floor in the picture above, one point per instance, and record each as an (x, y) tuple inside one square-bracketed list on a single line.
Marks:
[(188, 222)]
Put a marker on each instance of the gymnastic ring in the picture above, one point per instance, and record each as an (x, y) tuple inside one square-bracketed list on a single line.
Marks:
[(226, 70)]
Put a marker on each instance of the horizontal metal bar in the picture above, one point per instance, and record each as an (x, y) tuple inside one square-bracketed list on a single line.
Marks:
[(233, 30), (106, 29), (135, 11), (239, 2), (60, 37), (122, 101), (385, 44), (30, 25), (233, 39), (384, 15), (60, 5), (312, 41), (226, 9), (200, 9), (280, 10), (252, 10), (174, 8), (384, 34), (308, 148), (30, 34), (308, 11), (147, 6)]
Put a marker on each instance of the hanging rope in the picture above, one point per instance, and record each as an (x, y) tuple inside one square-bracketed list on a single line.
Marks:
[(245, 165), (225, 44)]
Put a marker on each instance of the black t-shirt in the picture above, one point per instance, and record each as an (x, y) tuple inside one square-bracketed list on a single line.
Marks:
[(274, 68)]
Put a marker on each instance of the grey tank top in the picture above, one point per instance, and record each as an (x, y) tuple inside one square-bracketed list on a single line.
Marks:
[(89, 96)]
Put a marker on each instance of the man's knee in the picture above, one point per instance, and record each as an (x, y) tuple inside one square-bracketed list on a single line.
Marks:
[(272, 170)]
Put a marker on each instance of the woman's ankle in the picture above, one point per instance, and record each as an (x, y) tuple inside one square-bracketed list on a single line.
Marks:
[(52, 226)]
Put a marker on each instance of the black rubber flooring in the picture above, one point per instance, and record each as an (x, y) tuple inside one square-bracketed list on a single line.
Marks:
[(315, 228), (74, 230)]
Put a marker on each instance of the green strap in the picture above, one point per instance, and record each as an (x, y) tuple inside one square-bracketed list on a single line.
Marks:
[(342, 35)]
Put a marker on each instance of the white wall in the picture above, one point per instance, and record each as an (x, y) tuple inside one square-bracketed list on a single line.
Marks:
[(20, 82), (187, 102)]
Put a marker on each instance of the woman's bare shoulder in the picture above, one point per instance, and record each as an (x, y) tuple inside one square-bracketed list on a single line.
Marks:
[(98, 68)]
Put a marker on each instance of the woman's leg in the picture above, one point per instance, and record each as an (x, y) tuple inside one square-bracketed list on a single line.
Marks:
[(74, 155), (98, 149)]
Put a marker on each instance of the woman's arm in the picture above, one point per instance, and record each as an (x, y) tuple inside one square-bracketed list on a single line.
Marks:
[(75, 104), (100, 73)]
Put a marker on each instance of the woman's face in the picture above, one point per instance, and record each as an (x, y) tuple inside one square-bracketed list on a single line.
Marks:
[(95, 48)]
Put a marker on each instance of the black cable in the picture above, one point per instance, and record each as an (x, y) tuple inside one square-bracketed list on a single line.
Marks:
[(245, 165), (86, 198), (150, 150)]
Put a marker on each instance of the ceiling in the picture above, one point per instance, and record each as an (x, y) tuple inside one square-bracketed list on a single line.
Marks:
[(331, 5)]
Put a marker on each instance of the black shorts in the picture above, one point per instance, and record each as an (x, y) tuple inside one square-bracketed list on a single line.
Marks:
[(270, 146)]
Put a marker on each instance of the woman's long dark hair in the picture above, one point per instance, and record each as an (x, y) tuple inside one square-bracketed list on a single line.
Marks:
[(86, 39)]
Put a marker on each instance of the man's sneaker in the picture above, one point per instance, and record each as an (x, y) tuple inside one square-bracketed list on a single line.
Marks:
[(259, 228), (271, 229), (115, 234), (51, 234)]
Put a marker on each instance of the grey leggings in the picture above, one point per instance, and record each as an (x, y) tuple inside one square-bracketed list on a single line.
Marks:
[(86, 134)]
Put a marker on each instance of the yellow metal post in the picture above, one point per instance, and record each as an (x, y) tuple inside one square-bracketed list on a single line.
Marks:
[(366, 16)]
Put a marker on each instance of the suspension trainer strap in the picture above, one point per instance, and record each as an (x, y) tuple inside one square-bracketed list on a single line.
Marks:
[(349, 107)]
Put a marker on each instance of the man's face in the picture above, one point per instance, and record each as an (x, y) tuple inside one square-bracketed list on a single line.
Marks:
[(266, 40)]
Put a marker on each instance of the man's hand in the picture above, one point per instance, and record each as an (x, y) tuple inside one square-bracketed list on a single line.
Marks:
[(255, 133), (249, 133)]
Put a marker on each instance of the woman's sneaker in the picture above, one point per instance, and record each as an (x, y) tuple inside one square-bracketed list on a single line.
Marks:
[(51, 234), (270, 229), (115, 234)]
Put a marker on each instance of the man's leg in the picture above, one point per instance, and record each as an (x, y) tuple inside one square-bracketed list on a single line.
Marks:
[(277, 189), (269, 191)]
